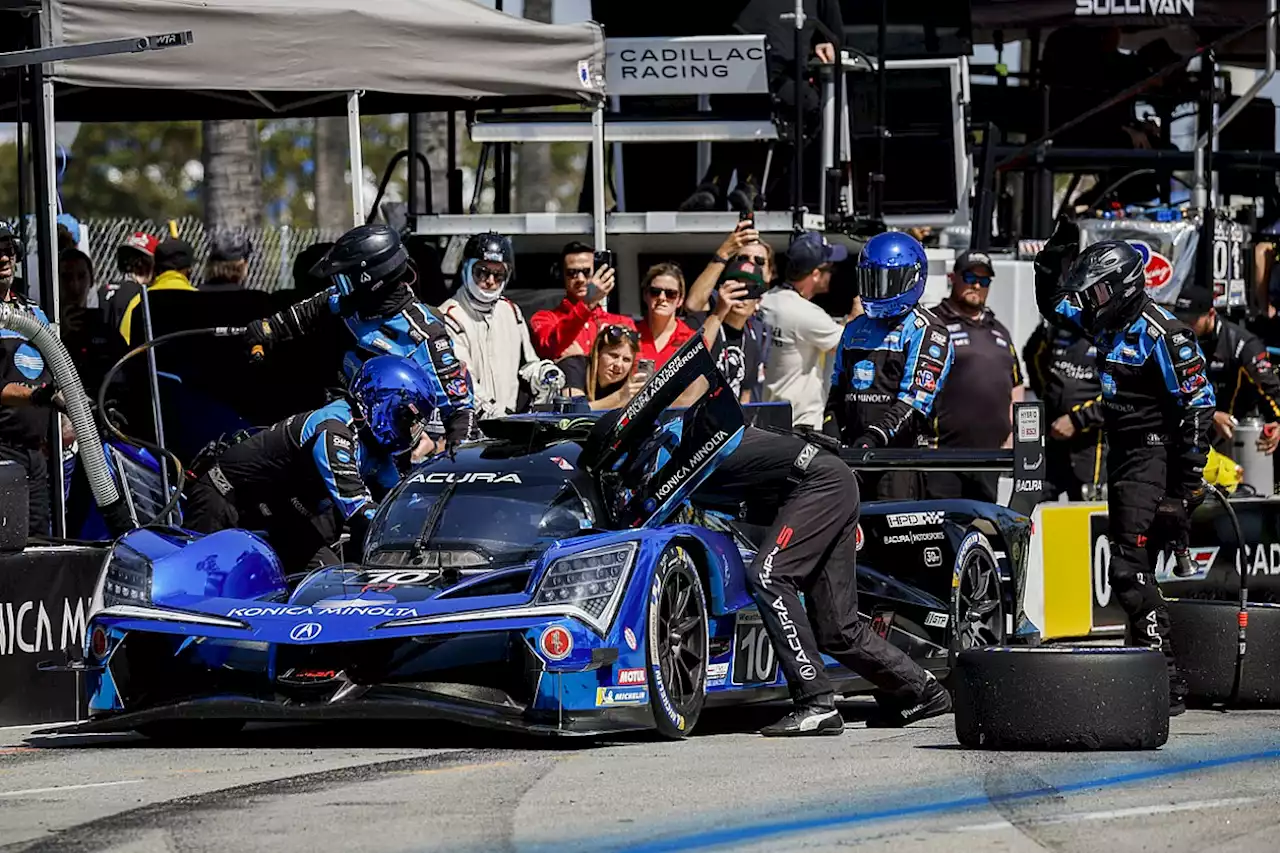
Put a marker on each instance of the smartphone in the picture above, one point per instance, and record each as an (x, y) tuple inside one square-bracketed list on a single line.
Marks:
[(645, 368), (605, 258), (746, 216)]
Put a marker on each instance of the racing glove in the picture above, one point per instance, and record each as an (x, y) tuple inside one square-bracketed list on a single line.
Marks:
[(259, 336), (548, 381), (870, 439), (47, 395), (461, 427)]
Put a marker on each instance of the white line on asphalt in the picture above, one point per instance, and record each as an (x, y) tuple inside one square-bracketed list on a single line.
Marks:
[(1112, 814), (37, 726), (58, 788)]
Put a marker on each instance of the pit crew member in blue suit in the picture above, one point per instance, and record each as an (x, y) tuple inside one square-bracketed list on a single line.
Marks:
[(891, 362), (301, 479), (371, 304), (1158, 406)]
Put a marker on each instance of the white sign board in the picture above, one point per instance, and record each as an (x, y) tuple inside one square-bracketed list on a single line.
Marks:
[(696, 65)]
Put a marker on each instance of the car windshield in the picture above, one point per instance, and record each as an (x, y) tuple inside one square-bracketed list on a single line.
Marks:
[(477, 525)]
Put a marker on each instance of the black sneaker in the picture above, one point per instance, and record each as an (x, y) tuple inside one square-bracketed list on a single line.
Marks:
[(894, 715), (807, 720), (743, 198)]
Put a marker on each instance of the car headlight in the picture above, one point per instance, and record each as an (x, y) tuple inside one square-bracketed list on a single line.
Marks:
[(125, 579), (589, 581)]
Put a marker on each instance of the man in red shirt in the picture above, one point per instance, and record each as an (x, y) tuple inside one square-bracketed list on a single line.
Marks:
[(661, 331), (571, 328)]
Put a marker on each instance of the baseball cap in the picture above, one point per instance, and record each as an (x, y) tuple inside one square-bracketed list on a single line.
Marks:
[(174, 254), (810, 250), (974, 260), (142, 242), (230, 246), (745, 270), (71, 224)]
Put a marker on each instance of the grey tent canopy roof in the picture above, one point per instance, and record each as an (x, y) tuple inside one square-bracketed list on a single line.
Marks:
[(272, 58)]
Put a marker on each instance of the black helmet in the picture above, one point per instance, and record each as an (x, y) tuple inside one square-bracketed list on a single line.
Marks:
[(1107, 285), (364, 261), (490, 248)]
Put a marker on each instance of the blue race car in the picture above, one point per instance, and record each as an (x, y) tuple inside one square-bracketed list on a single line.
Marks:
[(553, 578)]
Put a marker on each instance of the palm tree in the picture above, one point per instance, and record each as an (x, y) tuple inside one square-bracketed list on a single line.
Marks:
[(333, 195), (533, 159), (232, 175)]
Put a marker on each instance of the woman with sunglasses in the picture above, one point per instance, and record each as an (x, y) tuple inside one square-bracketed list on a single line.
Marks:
[(612, 379), (661, 331)]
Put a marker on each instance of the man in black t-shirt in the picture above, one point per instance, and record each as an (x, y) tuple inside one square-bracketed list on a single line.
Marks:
[(737, 340)]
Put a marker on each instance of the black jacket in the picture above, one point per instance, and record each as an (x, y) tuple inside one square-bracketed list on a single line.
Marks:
[(1244, 381), (1063, 372)]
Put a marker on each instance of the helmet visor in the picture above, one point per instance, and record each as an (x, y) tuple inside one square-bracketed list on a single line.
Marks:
[(875, 283), (482, 271)]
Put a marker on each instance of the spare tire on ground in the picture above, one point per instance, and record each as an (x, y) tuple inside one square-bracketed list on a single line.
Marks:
[(1204, 635), (1060, 697)]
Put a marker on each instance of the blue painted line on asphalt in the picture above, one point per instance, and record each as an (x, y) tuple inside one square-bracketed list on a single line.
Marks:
[(755, 833)]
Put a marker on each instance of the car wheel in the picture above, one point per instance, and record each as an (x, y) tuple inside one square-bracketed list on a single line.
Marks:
[(1205, 637), (191, 732), (978, 617), (1060, 697), (677, 649)]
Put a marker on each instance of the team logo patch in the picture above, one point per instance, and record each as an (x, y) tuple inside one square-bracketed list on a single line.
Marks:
[(1186, 352), (29, 361), (1193, 383), (935, 351), (1108, 385), (926, 379), (343, 456), (456, 387), (1155, 267), (864, 373)]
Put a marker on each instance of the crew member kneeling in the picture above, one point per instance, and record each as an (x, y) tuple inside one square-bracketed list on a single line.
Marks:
[(301, 479)]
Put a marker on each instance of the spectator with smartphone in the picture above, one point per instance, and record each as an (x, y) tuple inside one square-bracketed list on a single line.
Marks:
[(737, 339), (802, 332), (661, 331), (612, 378), (743, 241)]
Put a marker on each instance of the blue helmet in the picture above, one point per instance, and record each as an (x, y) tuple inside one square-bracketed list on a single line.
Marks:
[(892, 270), (394, 399)]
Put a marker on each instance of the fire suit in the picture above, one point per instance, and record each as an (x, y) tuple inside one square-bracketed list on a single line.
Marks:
[(398, 325), (809, 500), (492, 342), (1064, 374), (886, 377), (298, 481), (1243, 378), (1158, 408)]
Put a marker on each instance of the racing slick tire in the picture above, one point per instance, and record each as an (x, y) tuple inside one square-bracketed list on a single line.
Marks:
[(977, 599), (1205, 635), (192, 733), (677, 643), (1062, 698)]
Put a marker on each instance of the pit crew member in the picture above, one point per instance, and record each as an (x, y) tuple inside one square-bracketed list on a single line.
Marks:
[(28, 396), (891, 362), (372, 306), (302, 478), (809, 500), (1243, 379), (1158, 408), (1062, 367), (489, 333)]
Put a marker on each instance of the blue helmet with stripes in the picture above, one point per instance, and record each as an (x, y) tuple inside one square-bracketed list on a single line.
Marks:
[(394, 397), (891, 274)]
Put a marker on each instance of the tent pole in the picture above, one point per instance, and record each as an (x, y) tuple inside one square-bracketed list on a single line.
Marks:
[(357, 158), (46, 186), (597, 174)]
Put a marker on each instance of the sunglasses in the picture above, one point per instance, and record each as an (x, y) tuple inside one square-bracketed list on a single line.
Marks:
[(578, 272), (971, 277), (655, 292), (480, 273), (759, 260), (614, 334)]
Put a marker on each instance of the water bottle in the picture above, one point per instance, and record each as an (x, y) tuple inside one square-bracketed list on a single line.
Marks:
[(1258, 471)]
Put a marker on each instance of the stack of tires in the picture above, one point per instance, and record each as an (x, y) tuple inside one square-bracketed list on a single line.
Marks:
[(1205, 638)]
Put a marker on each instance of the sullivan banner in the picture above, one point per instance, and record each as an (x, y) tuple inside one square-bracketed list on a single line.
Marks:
[(1007, 14), (44, 604)]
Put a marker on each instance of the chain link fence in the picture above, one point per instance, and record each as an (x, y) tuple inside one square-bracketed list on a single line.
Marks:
[(270, 265)]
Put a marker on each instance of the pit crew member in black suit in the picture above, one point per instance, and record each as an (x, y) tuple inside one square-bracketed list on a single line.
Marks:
[(1244, 380), (1062, 367)]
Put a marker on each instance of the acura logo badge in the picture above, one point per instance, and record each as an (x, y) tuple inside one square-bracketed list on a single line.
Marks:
[(305, 632)]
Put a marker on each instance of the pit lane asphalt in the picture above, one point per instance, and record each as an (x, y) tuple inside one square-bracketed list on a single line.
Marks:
[(1216, 786)]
